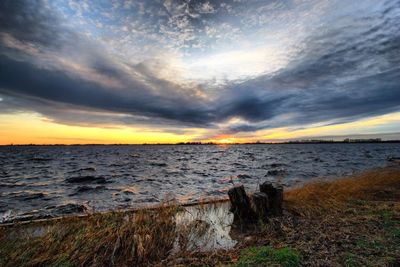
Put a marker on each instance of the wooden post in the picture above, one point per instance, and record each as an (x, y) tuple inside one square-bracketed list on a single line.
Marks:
[(275, 197), (241, 207), (260, 205)]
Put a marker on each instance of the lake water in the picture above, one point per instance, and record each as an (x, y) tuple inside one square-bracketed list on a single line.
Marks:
[(50, 181)]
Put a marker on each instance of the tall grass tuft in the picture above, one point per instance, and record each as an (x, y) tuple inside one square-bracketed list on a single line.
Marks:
[(320, 196), (116, 239)]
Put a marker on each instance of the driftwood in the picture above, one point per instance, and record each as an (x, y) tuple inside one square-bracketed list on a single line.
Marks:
[(275, 197), (263, 204)]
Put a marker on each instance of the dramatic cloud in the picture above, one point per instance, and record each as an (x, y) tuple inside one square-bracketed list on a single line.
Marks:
[(227, 66)]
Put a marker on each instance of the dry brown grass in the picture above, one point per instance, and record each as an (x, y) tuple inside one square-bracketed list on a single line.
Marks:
[(323, 196), (99, 240)]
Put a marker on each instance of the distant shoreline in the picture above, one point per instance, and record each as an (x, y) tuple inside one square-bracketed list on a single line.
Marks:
[(221, 144)]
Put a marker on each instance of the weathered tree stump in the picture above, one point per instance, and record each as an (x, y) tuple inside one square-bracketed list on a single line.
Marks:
[(267, 202), (260, 205), (275, 197), (241, 206)]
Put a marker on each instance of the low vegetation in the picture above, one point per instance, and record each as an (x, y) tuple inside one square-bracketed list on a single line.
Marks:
[(332, 196), (353, 221), (266, 255), (99, 240)]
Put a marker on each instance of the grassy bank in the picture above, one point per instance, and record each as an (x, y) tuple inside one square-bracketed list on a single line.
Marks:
[(353, 221)]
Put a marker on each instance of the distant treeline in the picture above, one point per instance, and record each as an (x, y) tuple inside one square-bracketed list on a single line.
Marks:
[(305, 141)]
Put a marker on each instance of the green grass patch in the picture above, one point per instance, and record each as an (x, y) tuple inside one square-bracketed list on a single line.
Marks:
[(351, 260), (266, 255), (391, 225), (369, 244)]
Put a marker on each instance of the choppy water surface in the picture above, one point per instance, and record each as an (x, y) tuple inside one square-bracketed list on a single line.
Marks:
[(48, 181)]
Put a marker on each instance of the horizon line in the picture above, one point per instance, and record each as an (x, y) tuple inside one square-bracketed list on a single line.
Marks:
[(298, 141)]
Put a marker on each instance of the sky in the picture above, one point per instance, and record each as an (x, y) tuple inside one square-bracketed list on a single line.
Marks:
[(138, 71)]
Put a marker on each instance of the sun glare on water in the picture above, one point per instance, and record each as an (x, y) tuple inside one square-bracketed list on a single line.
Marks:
[(225, 141)]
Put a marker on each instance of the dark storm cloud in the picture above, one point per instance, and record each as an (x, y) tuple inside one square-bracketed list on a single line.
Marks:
[(56, 86), (346, 70), (32, 21)]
